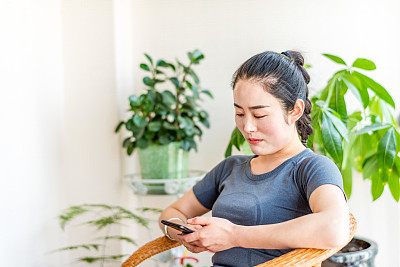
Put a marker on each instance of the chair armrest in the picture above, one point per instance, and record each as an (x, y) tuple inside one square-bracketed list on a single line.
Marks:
[(150, 249), (308, 257), (304, 257)]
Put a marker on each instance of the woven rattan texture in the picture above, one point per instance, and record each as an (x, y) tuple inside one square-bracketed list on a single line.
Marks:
[(304, 257), (150, 249)]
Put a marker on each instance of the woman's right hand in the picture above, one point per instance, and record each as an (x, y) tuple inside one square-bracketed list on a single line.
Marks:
[(191, 247)]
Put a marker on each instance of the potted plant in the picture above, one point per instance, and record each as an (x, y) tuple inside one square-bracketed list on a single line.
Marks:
[(166, 119), (101, 218), (364, 137)]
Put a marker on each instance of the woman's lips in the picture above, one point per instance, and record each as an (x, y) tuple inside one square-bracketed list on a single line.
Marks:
[(254, 141)]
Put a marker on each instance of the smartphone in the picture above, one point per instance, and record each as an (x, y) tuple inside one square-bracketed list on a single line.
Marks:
[(178, 227)]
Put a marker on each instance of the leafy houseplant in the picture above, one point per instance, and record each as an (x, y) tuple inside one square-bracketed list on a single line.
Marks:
[(105, 217), (364, 137), (166, 117)]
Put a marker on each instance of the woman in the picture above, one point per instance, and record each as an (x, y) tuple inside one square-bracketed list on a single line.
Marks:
[(283, 197)]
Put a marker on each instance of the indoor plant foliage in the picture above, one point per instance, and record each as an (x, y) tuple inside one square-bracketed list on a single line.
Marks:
[(161, 116), (102, 218), (364, 137)]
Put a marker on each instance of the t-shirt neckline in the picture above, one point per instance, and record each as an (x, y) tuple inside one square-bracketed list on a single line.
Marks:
[(269, 174)]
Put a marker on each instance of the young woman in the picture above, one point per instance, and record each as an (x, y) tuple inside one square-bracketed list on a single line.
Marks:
[(283, 197)]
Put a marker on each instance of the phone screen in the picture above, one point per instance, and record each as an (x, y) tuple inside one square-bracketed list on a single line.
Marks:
[(178, 227)]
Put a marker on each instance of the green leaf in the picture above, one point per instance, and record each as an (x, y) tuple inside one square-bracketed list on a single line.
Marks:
[(175, 81), (228, 151), (118, 237), (130, 148), (194, 76), (126, 142), (162, 63), (143, 143), (371, 128), (119, 126), (85, 246), (378, 89), (196, 56), (370, 167), (363, 63), (155, 126), (335, 59), (134, 100), (331, 139), (145, 67), (355, 86), (386, 154), (148, 81), (377, 186), (164, 139), (394, 183), (139, 120), (340, 127), (149, 58), (347, 171), (168, 98), (207, 92)]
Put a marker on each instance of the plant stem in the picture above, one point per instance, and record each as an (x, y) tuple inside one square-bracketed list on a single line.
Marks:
[(181, 88), (104, 245)]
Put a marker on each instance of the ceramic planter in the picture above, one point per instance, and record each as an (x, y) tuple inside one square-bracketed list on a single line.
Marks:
[(163, 162), (359, 252)]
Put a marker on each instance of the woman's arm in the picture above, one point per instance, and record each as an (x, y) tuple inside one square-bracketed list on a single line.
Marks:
[(326, 227), (186, 207)]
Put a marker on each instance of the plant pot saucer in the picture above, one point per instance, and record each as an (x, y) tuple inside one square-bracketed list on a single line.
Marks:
[(164, 186)]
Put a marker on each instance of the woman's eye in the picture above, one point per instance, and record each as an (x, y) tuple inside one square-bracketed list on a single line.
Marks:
[(239, 115), (259, 117)]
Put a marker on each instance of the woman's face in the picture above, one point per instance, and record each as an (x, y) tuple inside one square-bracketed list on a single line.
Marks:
[(261, 119)]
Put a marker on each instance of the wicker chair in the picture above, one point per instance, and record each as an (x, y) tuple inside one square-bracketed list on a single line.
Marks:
[(304, 257)]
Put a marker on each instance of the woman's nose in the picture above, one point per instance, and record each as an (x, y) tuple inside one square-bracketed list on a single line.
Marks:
[(249, 125)]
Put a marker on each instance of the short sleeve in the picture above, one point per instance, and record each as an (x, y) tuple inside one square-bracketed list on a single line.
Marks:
[(316, 171), (207, 189)]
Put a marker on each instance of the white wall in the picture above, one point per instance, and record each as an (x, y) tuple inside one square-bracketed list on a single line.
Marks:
[(67, 68), (230, 31)]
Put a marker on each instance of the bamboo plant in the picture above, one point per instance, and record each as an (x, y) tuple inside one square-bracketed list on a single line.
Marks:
[(102, 218), (363, 137)]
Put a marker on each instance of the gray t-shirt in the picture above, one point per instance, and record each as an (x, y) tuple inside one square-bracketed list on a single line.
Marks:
[(233, 192)]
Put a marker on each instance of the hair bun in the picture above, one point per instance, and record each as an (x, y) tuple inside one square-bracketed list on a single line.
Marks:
[(298, 59)]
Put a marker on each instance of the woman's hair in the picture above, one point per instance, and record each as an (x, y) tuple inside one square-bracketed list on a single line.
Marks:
[(284, 77)]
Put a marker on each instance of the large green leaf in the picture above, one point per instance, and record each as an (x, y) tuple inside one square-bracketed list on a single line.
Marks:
[(332, 139), (365, 64), (336, 59), (347, 171), (340, 127), (394, 182), (377, 186), (386, 154), (371, 128), (355, 86), (370, 167), (378, 89)]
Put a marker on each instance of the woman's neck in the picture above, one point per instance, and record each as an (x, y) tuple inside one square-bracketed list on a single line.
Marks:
[(267, 163)]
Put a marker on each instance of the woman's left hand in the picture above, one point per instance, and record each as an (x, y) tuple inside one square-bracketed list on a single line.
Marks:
[(217, 234)]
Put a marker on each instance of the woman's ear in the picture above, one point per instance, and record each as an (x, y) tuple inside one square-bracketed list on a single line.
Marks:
[(297, 111)]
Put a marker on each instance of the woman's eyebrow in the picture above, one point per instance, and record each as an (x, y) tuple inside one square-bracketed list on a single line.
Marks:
[(253, 107)]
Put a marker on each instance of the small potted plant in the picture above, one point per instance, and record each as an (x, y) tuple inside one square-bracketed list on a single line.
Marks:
[(364, 137), (166, 119)]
